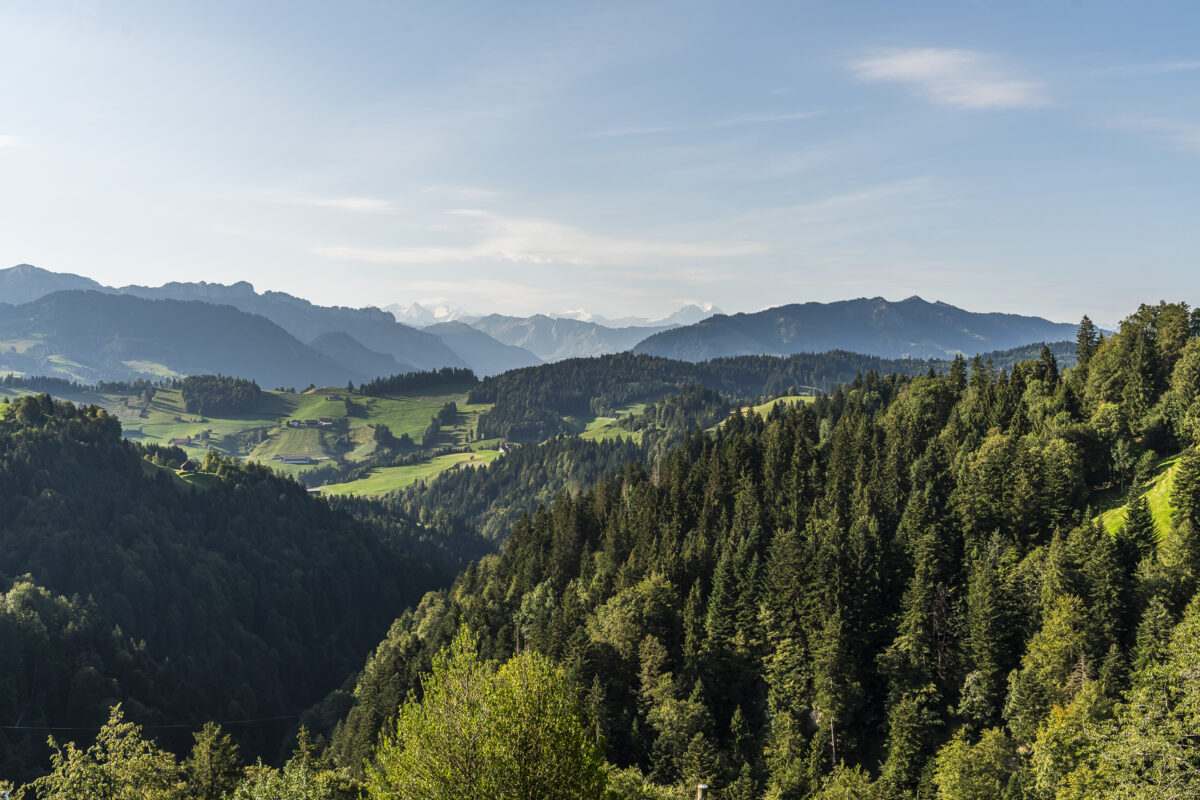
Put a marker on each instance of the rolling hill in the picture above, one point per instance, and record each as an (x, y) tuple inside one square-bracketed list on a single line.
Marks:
[(911, 328)]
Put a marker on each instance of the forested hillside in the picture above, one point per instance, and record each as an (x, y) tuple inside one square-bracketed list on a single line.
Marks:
[(898, 591), (492, 500), (228, 595), (530, 403)]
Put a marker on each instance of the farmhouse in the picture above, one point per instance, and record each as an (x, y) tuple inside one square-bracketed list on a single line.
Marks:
[(294, 459), (322, 422), (182, 442)]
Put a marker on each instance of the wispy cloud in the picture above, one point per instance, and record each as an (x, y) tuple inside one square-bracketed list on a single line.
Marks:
[(539, 241), (11, 141), (473, 194), (1181, 134), (958, 78), (731, 122), (364, 205)]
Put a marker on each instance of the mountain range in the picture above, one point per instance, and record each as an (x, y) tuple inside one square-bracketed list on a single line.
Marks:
[(423, 316), (93, 336), (910, 328), (70, 325)]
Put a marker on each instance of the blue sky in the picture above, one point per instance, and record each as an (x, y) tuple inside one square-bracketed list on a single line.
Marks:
[(624, 158)]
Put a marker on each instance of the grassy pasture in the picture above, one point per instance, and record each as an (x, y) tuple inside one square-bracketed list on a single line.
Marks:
[(765, 408), (1158, 496), (389, 479), (165, 418)]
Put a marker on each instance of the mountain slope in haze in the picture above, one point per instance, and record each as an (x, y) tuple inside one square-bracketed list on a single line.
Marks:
[(374, 329), (912, 328), (25, 282), (484, 354), (350, 353), (686, 315), (97, 336), (554, 339)]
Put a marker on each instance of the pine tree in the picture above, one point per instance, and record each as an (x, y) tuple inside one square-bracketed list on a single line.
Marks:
[(214, 766), (1087, 341), (1153, 636), (1185, 495), (1137, 534)]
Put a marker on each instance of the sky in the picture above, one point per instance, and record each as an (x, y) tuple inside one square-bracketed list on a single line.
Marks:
[(624, 158)]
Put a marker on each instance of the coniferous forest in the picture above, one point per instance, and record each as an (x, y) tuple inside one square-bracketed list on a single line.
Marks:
[(978, 581)]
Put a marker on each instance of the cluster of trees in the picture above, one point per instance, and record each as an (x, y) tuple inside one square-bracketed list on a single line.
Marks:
[(64, 386), (694, 407), (384, 438), (410, 382), (896, 591), (244, 598), (530, 402), (219, 394), (447, 415), (492, 500)]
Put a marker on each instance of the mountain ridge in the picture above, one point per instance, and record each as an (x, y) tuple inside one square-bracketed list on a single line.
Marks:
[(94, 335), (913, 328)]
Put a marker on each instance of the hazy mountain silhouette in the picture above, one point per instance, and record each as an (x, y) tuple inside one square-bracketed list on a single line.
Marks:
[(25, 282), (484, 354), (908, 328), (350, 353), (553, 339), (96, 336)]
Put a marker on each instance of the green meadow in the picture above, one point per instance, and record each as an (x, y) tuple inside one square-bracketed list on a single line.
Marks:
[(1158, 496), (765, 408), (265, 434), (389, 479)]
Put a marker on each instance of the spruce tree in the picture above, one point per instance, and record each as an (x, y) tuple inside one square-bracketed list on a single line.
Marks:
[(1086, 340)]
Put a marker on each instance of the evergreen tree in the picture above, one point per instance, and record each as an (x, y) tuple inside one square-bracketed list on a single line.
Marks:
[(1088, 339), (214, 767)]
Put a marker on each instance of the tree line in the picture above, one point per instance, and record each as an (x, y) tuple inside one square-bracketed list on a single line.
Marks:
[(531, 402), (409, 382)]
